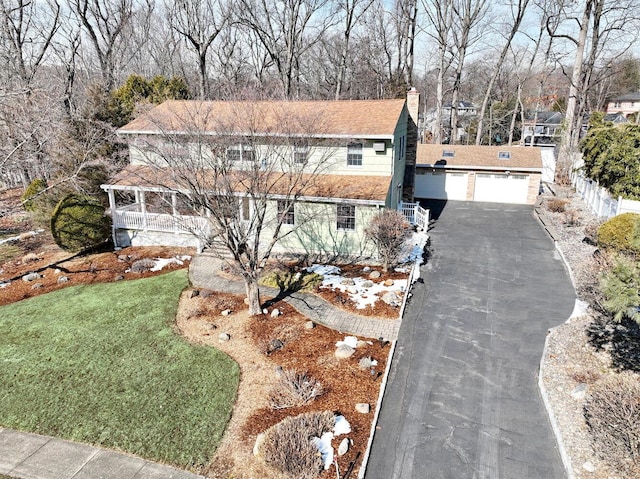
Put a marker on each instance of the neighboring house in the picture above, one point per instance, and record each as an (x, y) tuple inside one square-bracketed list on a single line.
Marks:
[(626, 105), (542, 128), (466, 112), (354, 152), (495, 174)]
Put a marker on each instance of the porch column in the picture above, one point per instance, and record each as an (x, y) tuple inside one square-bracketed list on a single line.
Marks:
[(114, 216), (174, 212), (143, 208)]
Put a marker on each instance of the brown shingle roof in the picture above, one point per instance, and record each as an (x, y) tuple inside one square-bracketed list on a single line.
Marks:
[(356, 119), (472, 156), (347, 187)]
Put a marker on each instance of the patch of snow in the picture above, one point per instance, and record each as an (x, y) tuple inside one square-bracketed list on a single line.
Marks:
[(342, 426), (579, 309), (324, 269), (350, 341), (162, 262), (4, 285), (18, 237), (413, 248), (359, 294), (323, 444)]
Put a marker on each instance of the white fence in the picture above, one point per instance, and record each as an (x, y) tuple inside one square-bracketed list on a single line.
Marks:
[(599, 200), (415, 214)]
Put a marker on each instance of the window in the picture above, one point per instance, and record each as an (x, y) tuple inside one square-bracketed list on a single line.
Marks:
[(504, 155), (247, 153), (300, 154), (286, 212), (448, 153), (617, 104), (354, 154), (234, 153), (346, 217)]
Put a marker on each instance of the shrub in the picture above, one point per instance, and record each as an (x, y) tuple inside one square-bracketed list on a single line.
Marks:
[(388, 231), (79, 222), (591, 232), (621, 289), (294, 389), (612, 413), (557, 205), (621, 233), (28, 197), (287, 445)]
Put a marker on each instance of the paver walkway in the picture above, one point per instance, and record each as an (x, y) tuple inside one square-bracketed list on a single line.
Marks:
[(203, 274), (31, 456)]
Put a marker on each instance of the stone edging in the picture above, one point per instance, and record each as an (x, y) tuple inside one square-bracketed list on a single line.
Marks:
[(383, 386), (566, 460)]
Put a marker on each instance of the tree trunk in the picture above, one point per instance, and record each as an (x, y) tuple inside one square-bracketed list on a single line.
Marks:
[(253, 295)]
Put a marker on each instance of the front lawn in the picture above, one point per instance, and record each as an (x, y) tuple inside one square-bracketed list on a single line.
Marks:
[(102, 364)]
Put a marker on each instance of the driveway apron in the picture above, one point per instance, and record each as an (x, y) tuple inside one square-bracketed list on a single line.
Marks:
[(462, 399)]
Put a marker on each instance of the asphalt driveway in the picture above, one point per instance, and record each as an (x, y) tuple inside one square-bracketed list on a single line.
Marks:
[(462, 400)]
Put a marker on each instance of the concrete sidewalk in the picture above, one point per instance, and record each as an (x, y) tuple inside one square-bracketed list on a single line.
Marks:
[(203, 274), (31, 456)]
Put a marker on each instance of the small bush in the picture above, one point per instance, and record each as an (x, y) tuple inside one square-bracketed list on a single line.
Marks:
[(621, 233), (572, 218), (287, 445), (557, 205), (28, 197), (612, 413), (142, 265), (388, 231), (79, 222), (591, 232), (294, 389), (621, 289)]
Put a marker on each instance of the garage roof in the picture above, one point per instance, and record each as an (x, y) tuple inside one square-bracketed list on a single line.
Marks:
[(470, 157)]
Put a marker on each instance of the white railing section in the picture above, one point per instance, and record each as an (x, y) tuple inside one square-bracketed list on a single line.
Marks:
[(160, 222), (415, 214), (600, 201)]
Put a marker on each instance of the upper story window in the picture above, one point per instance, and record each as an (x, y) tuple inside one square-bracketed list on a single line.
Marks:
[(354, 154), (286, 212), (240, 153), (504, 155), (300, 154), (448, 154), (346, 217), (617, 104)]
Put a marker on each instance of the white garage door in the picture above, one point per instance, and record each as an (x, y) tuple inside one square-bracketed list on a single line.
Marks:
[(440, 185), (498, 188)]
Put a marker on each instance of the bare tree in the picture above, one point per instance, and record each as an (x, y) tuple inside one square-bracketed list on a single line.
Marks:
[(406, 14), (353, 9), (517, 13), (199, 23), (247, 178)]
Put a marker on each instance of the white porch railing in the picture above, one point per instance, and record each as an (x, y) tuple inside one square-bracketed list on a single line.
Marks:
[(415, 214), (160, 222)]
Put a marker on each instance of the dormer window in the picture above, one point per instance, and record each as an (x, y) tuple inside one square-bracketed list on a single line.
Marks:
[(448, 154), (504, 155)]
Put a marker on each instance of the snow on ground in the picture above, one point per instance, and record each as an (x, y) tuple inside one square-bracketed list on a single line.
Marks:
[(162, 262), (413, 248)]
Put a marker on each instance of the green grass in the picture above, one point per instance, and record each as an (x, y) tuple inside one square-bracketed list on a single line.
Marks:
[(102, 364)]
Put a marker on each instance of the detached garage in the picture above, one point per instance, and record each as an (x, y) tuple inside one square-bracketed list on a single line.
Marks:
[(492, 174)]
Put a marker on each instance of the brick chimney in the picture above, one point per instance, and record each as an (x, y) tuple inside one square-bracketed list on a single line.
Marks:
[(413, 102)]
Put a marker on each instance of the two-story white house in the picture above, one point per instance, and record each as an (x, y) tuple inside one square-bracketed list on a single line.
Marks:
[(322, 168)]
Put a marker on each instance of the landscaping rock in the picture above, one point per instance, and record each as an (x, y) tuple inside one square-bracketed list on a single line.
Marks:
[(213, 326), (279, 371), (194, 293), (343, 447), (309, 325), (589, 467), (37, 286), (367, 284), (275, 313), (374, 274), (226, 312), (348, 282), (224, 337), (123, 258), (265, 311), (343, 351), (205, 294), (30, 277), (246, 301), (57, 271), (366, 269), (579, 392), (63, 279), (361, 344), (352, 290), (118, 278), (388, 283), (363, 408), (275, 345), (391, 298), (258, 444)]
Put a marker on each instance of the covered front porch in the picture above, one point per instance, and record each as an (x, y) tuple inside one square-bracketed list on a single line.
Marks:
[(143, 216)]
